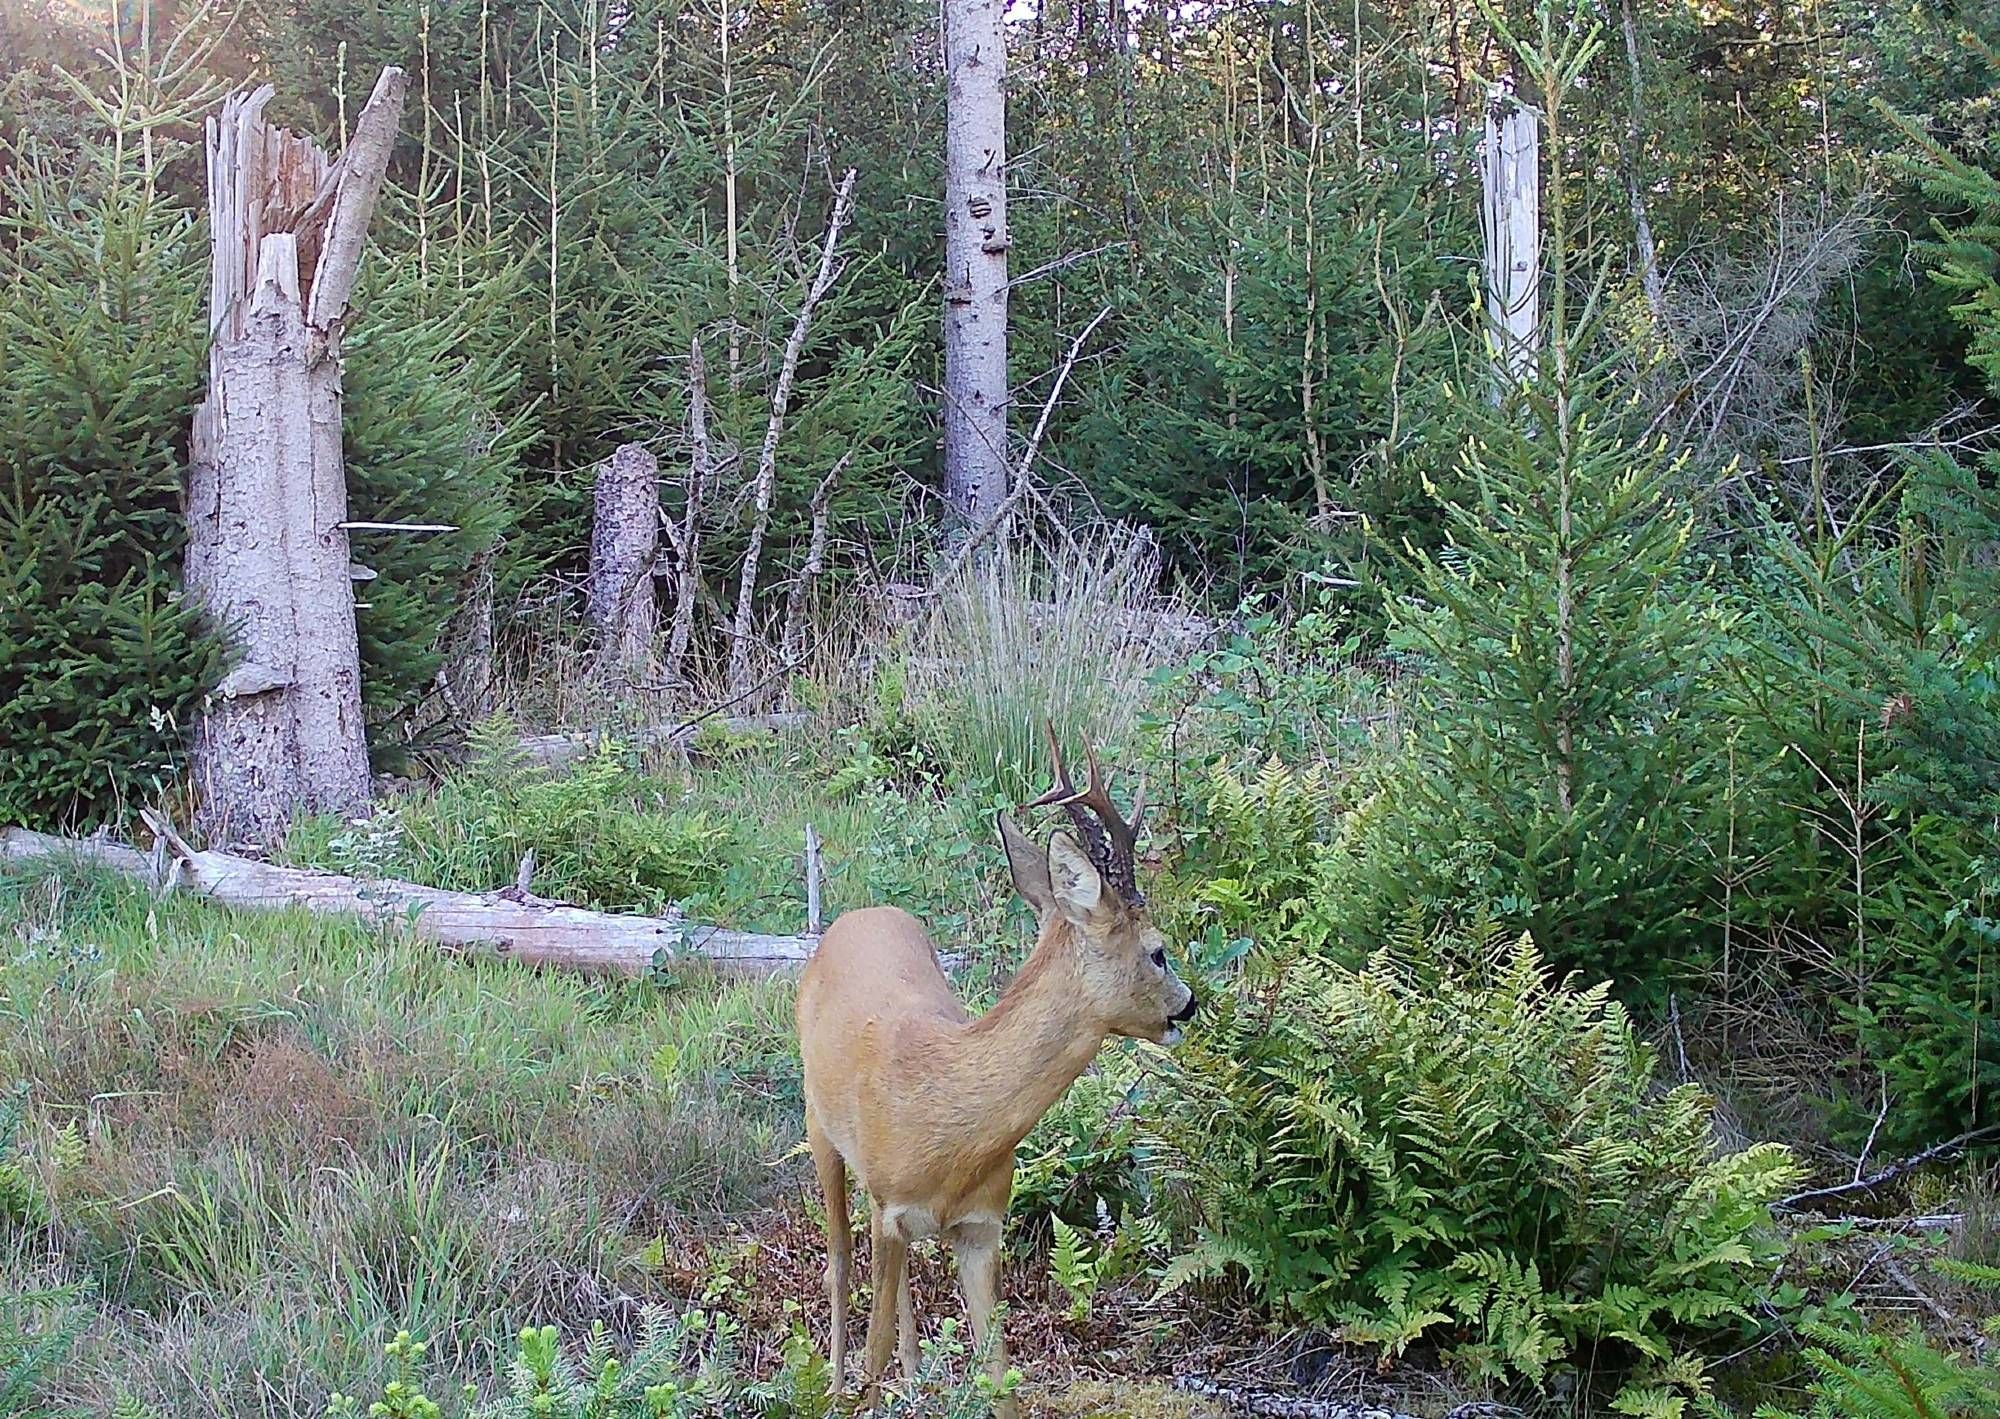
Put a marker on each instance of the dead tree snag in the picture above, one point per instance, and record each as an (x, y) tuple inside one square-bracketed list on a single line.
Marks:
[(267, 488), (624, 544)]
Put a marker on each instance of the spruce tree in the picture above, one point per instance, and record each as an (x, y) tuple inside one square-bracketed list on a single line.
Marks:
[(102, 664), (1561, 768)]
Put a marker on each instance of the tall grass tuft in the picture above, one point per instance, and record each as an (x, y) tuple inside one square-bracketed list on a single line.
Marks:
[(1069, 633)]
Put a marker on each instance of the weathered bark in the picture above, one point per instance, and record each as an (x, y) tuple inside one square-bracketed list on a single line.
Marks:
[(267, 491), (539, 933), (1511, 221), (975, 260), (624, 544), (740, 645)]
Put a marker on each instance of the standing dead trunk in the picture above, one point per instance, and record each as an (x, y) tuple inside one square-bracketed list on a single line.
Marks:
[(267, 488), (624, 542), (975, 259), (740, 648), (1511, 221), (686, 539)]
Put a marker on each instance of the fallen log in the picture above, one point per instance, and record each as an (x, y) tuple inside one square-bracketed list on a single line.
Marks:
[(553, 750), (508, 926)]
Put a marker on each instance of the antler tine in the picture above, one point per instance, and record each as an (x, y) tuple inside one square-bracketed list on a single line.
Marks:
[(1097, 798), (1064, 791)]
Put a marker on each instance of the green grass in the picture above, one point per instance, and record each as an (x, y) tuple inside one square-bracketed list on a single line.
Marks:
[(725, 840), (264, 1140), (258, 1144)]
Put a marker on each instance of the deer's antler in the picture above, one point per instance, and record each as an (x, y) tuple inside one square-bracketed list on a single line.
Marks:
[(1109, 838)]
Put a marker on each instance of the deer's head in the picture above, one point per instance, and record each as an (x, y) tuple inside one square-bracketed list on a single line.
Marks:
[(1085, 883)]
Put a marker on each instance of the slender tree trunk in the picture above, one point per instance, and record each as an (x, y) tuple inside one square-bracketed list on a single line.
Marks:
[(729, 201), (687, 541), (1511, 219), (740, 649), (976, 241), (1650, 280), (267, 491), (798, 603)]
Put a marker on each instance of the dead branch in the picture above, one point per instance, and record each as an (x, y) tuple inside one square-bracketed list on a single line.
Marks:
[(1951, 1147), (554, 750), (794, 641), (687, 545), (767, 459), (1022, 472)]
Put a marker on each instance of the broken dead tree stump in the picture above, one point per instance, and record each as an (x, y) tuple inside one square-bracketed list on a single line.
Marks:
[(499, 924), (624, 545), (267, 550)]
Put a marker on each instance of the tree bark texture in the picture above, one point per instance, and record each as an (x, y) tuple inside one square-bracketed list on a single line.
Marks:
[(267, 488), (624, 544), (975, 255), (1650, 279), (1511, 222)]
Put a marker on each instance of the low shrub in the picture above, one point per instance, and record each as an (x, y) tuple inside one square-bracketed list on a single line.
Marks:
[(602, 835), (683, 1364), (1446, 1145)]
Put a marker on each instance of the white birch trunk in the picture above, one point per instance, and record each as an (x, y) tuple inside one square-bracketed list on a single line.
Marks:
[(975, 256), (1511, 222), (624, 544), (267, 490)]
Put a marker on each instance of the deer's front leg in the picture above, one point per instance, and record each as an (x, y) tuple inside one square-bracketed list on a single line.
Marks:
[(832, 1170), (906, 1324), (977, 1246), (891, 1256)]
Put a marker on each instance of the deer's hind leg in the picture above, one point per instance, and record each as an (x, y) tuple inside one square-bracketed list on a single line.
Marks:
[(832, 1170)]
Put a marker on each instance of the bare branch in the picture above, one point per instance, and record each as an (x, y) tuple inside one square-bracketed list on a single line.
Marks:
[(767, 461)]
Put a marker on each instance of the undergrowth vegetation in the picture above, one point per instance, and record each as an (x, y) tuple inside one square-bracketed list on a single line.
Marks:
[(1579, 811), (1448, 1145)]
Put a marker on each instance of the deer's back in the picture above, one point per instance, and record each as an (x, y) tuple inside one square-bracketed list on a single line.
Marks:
[(873, 1007)]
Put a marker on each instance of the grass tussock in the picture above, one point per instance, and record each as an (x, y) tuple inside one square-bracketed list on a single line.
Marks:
[(1069, 634)]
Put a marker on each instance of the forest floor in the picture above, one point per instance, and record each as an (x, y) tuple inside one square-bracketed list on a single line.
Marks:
[(255, 1146)]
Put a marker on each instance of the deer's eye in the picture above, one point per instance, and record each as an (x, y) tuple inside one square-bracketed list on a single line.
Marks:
[(1160, 957)]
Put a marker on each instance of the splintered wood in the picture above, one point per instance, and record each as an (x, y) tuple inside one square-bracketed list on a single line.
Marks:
[(267, 488)]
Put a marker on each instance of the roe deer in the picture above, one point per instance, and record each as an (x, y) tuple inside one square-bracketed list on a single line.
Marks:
[(926, 1104)]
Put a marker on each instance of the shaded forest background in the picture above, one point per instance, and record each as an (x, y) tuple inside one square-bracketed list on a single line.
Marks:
[(1680, 655)]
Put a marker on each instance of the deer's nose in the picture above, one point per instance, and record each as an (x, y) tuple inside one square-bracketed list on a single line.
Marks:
[(1186, 1012)]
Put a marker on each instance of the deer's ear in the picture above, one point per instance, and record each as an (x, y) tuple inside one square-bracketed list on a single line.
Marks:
[(1079, 891), (1028, 865)]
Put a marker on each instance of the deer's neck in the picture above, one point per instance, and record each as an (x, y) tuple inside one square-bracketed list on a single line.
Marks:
[(1031, 1046)]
